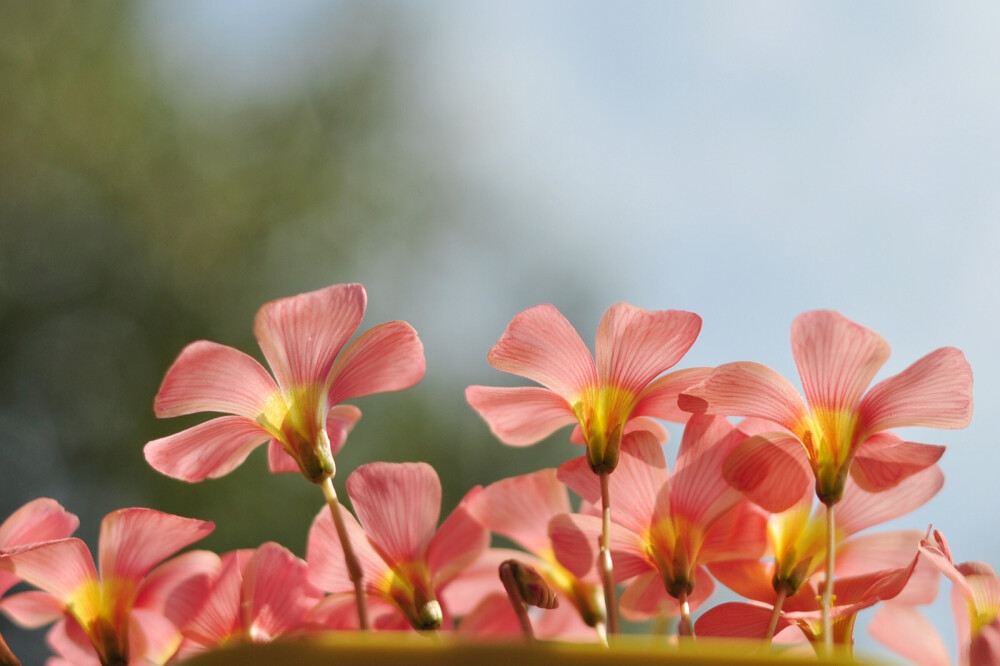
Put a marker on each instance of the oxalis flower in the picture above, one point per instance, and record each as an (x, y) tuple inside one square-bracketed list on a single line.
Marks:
[(634, 347), (298, 410)]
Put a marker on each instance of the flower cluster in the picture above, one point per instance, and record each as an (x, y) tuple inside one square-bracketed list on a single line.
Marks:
[(772, 494)]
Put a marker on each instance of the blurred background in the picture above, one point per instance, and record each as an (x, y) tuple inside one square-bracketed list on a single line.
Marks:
[(167, 167)]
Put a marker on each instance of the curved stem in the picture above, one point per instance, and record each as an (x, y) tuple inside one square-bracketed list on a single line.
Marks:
[(831, 544), (350, 559), (684, 627), (606, 565), (775, 614), (516, 600), (7, 657)]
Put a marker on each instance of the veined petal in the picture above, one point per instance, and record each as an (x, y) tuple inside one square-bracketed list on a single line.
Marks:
[(207, 450), (209, 377), (340, 421), (746, 389), (575, 538), (659, 398), (177, 588), (399, 505), (771, 470), (39, 520), (934, 392), (302, 335), (699, 492), (906, 632), (646, 596), (133, 541), (520, 416), (837, 359), (278, 460), (153, 639), (325, 554), (735, 619), (459, 541), (520, 507), (634, 346), (388, 357), (866, 553), (276, 596), (33, 609), (58, 567), (69, 640), (219, 616), (748, 578), (541, 345), (861, 509), (740, 532), (884, 459)]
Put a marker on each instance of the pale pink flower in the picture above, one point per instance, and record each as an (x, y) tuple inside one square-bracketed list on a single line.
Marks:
[(839, 422), (634, 347), (299, 410), (128, 610), (408, 562), (667, 527), (258, 596)]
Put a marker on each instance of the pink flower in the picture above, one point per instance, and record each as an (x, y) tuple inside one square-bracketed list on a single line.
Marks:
[(408, 562), (839, 422), (259, 595), (667, 527), (299, 409), (634, 347), (128, 610)]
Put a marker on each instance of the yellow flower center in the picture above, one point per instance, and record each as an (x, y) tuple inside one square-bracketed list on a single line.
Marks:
[(408, 587), (102, 609), (828, 437), (602, 413), (296, 419)]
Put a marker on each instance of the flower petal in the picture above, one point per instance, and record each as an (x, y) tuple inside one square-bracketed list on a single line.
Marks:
[(33, 609), (59, 567), (699, 492), (276, 596), (388, 357), (325, 555), (747, 578), (278, 460), (884, 460), (934, 392), (398, 504), (153, 639), (771, 470), (302, 335), (634, 346), (836, 358), (575, 539), (740, 532), (746, 389), (209, 377), (340, 421), (177, 588), (457, 543), (520, 508), (906, 632), (520, 416), (860, 509), (133, 541), (734, 619), (659, 398), (207, 450), (541, 345), (43, 519), (866, 553)]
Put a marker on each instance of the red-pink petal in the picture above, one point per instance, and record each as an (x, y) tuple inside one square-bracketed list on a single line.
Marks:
[(219, 616), (575, 541), (398, 504), (906, 632), (208, 450), (884, 460), (302, 335), (520, 507), (457, 543), (740, 532), (737, 620), (340, 421), (68, 640), (33, 609), (836, 358), (209, 377), (634, 346), (278, 460), (541, 345), (659, 398), (133, 541), (866, 553), (934, 392), (59, 567), (746, 389), (645, 597), (39, 520), (177, 588), (771, 470), (985, 645), (520, 416), (325, 554), (860, 509), (388, 357), (698, 491), (748, 578), (153, 639), (275, 596)]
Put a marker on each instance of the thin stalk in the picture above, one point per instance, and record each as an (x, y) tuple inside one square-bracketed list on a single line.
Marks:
[(684, 627), (7, 657), (776, 613), (516, 600), (606, 566), (350, 559), (831, 544)]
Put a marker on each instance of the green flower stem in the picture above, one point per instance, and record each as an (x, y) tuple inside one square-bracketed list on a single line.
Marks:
[(353, 568)]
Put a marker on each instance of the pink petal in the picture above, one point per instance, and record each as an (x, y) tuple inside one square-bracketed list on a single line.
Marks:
[(541, 345), (520, 416), (866, 553), (493, 619), (884, 460), (219, 616), (208, 450), (42, 519), (302, 335), (575, 540), (520, 507), (737, 620), (388, 357), (479, 579), (646, 597), (634, 346), (153, 638), (836, 358), (340, 421), (278, 460), (906, 632), (209, 377), (740, 532), (59, 567), (746, 389), (68, 640), (633, 486), (177, 588), (659, 398), (699, 492), (33, 609), (748, 578), (325, 555), (860, 509), (398, 504), (771, 470), (934, 392), (985, 646), (459, 541), (133, 541), (276, 595)]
